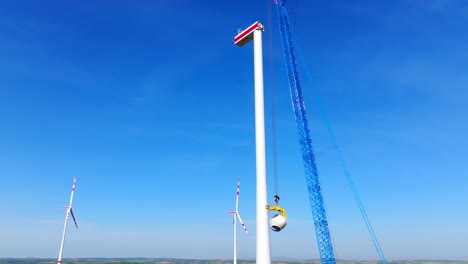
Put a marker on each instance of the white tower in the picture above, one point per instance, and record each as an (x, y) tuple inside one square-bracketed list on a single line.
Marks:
[(263, 231), (67, 215)]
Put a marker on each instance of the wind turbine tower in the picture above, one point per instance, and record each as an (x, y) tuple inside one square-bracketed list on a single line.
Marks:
[(67, 215), (263, 255)]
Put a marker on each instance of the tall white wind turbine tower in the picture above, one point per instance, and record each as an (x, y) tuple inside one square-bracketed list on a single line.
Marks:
[(263, 254), (236, 213), (67, 215)]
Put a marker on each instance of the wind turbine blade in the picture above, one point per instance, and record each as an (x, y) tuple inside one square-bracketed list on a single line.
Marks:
[(73, 216), (237, 195), (242, 223), (73, 191)]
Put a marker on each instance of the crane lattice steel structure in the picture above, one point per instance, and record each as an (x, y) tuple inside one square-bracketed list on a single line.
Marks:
[(319, 215)]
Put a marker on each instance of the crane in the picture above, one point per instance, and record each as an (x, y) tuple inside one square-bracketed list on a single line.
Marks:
[(319, 215), (313, 184)]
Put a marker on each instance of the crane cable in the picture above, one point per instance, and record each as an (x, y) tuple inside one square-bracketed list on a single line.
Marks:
[(272, 96), (272, 99)]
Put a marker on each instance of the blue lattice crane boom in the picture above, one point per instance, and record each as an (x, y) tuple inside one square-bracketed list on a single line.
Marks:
[(319, 215), (313, 184)]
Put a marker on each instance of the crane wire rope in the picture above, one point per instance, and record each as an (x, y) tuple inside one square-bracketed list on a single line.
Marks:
[(272, 100)]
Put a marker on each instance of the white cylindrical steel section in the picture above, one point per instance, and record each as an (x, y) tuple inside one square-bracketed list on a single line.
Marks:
[(263, 232)]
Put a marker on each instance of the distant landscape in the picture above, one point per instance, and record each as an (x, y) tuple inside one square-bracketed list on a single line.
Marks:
[(196, 261)]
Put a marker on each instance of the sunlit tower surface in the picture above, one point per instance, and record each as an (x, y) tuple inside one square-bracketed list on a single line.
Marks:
[(263, 255)]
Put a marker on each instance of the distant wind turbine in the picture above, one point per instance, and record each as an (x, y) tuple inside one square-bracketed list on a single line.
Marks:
[(67, 215), (236, 213)]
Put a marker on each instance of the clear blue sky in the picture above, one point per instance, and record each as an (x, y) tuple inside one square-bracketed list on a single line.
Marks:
[(150, 105)]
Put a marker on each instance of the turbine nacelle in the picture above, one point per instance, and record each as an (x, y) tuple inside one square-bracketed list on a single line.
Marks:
[(277, 222)]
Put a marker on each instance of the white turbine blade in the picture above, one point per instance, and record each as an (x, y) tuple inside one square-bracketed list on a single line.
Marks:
[(237, 195), (73, 216), (242, 223), (73, 191)]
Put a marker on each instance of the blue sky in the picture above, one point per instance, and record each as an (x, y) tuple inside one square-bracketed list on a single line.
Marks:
[(150, 105)]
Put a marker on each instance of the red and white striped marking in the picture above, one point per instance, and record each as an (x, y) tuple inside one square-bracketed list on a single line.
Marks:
[(237, 195), (236, 212), (242, 223), (245, 36)]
